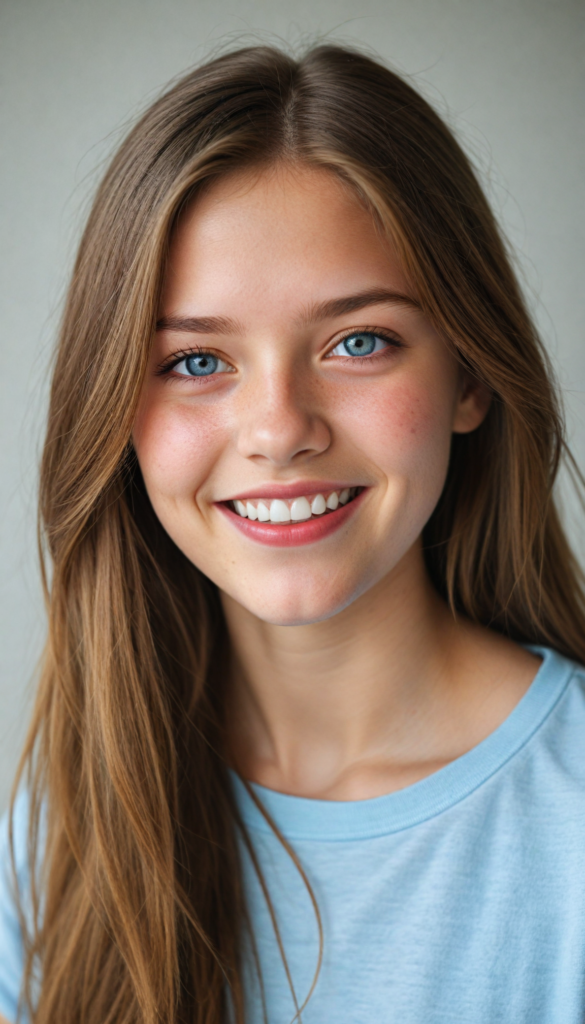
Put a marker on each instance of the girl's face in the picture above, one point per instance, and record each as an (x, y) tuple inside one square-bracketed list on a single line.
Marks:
[(296, 419)]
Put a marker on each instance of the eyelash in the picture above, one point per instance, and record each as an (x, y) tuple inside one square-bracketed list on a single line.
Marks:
[(391, 340), (165, 368)]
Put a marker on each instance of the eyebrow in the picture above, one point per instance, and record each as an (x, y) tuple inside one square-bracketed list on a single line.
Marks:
[(197, 324), (351, 303), (326, 310)]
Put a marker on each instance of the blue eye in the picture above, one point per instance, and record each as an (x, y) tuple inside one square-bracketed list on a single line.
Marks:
[(201, 364), (363, 343)]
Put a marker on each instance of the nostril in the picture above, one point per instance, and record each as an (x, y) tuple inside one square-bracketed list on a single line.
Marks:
[(281, 443)]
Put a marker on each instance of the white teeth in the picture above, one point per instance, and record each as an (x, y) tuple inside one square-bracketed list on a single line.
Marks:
[(279, 511), (318, 505), (294, 510), (263, 512), (300, 509)]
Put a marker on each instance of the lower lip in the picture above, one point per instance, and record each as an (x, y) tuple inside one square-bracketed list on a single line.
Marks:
[(292, 535)]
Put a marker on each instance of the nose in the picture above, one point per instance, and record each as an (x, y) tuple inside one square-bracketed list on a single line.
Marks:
[(280, 422)]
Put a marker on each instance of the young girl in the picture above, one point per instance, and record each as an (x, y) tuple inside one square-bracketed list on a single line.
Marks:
[(308, 742)]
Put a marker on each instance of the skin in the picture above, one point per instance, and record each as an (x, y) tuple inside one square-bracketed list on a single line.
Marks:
[(351, 677)]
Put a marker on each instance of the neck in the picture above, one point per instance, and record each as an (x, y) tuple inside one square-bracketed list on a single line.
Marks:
[(360, 703)]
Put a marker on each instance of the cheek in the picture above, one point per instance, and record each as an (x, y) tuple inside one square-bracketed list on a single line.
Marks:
[(404, 428), (176, 448)]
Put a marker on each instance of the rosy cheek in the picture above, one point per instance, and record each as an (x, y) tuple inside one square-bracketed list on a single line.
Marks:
[(177, 447), (404, 421)]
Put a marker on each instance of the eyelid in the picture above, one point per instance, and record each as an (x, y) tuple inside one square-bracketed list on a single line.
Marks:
[(384, 333), (172, 360)]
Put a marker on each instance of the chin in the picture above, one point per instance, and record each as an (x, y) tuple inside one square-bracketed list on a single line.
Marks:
[(297, 605), (293, 617)]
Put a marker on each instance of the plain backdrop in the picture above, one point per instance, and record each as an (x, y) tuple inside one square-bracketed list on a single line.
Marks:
[(507, 74)]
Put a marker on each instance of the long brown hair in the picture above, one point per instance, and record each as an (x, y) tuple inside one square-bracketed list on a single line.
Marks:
[(139, 903)]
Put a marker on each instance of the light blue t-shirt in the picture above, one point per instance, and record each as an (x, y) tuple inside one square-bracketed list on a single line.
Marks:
[(458, 900)]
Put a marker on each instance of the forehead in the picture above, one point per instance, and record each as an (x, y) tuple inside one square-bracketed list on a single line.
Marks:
[(283, 234)]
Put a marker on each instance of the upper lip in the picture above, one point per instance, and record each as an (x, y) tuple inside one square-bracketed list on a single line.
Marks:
[(293, 490)]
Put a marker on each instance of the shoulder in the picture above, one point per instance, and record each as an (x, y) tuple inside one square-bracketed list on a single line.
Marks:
[(11, 940), (19, 821), (548, 770), (563, 732)]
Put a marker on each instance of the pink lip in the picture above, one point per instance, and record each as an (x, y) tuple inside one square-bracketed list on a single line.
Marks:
[(290, 535), (296, 490)]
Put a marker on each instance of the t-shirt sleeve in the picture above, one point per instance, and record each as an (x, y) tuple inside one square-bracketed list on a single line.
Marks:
[(11, 944)]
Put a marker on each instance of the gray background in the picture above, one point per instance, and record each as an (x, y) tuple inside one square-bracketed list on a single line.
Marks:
[(73, 73)]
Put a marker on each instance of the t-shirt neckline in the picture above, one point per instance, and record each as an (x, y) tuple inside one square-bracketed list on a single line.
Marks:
[(345, 820)]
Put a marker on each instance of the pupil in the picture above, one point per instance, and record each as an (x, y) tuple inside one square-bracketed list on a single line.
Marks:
[(201, 366), (360, 344)]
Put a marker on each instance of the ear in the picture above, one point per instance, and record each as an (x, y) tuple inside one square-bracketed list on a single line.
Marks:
[(473, 402)]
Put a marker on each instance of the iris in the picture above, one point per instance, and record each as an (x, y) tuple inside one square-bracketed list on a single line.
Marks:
[(360, 344), (201, 365)]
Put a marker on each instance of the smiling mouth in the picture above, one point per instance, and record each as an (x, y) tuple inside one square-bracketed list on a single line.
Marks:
[(279, 511)]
